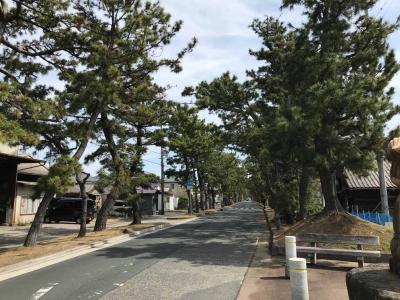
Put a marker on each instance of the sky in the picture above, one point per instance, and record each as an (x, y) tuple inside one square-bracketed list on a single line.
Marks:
[(224, 40)]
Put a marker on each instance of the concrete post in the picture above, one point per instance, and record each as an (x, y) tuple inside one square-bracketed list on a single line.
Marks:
[(298, 279), (290, 251)]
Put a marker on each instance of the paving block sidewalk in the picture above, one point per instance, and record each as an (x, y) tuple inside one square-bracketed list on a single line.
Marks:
[(265, 279)]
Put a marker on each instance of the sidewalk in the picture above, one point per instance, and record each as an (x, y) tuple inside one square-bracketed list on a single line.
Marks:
[(14, 236), (265, 279)]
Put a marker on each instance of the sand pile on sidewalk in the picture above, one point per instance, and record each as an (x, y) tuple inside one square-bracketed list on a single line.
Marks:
[(339, 223)]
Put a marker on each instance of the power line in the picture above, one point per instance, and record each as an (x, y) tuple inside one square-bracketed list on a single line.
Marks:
[(156, 152), (384, 11), (152, 162), (381, 11)]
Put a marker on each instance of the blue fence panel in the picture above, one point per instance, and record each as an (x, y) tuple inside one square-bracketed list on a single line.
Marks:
[(374, 217)]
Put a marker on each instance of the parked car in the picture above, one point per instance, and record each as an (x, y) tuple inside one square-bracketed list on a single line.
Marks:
[(69, 209), (121, 208)]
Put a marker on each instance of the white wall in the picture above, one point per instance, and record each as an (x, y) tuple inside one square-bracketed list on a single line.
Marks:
[(12, 150), (24, 194)]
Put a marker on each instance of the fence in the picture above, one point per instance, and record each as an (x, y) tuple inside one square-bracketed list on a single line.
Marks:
[(374, 217)]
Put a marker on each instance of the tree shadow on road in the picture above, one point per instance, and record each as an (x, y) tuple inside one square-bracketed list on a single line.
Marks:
[(227, 239)]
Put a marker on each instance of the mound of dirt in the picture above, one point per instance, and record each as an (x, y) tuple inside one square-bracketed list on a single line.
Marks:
[(339, 223)]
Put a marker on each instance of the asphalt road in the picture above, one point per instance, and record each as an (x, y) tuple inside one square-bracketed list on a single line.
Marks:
[(203, 259), (14, 236)]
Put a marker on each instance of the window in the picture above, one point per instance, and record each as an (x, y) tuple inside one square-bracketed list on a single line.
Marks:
[(172, 186), (29, 206)]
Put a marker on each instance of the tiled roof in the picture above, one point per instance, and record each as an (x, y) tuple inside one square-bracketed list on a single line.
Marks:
[(371, 181), (90, 189), (33, 169)]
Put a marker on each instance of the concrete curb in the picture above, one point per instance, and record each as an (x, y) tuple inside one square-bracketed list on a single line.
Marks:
[(31, 265)]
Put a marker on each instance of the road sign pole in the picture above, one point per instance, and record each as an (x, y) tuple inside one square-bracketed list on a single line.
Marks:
[(189, 186), (190, 210)]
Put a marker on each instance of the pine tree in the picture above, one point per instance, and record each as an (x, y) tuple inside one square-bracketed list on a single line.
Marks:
[(120, 41), (345, 66)]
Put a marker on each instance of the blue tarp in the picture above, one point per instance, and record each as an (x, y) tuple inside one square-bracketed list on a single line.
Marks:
[(374, 217)]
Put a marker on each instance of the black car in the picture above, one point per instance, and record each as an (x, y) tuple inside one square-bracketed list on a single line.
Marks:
[(121, 208), (69, 209)]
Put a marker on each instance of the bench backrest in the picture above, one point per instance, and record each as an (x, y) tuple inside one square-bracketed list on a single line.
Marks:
[(337, 239)]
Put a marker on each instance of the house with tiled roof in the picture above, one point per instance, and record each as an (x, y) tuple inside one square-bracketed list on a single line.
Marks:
[(18, 178), (358, 192)]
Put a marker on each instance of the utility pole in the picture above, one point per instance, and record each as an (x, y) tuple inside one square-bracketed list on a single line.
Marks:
[(162, 181), (382, 183)]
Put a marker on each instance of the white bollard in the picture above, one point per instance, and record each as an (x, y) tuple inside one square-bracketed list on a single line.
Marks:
[(290, 251), (298, 278)]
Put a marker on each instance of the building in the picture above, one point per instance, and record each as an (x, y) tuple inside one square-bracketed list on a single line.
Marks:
[(151, 200), (149, 203), (18, 178), (176, 192), (363, 192), (151, 196), (91, 191)]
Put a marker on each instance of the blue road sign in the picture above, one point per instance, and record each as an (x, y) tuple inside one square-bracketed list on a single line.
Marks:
[(189, 184)]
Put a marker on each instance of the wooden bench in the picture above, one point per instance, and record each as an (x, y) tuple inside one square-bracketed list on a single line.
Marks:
[(360, 241)]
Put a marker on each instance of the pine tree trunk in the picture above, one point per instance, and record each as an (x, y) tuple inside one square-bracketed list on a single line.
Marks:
[(206, 199), (136, 213), (210, 198), (328, 186), (82, 228), (213, 198), (82, 187), (277, 218), (201, 185), (36, 225), (102, 216), (304, 186), (196, 200)]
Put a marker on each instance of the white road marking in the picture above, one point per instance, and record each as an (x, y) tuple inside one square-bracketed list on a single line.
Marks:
[(118, 284), (96, 293), (43, 291)]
